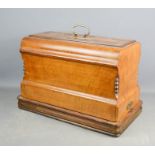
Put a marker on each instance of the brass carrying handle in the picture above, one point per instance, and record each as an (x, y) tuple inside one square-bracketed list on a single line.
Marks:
[(80, 26)]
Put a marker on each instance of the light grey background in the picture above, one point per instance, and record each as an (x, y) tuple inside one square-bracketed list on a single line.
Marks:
[(18, 127)]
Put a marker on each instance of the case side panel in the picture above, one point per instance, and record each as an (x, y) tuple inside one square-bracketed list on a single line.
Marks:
[(77, 76), (35, 86), (82, 104), (129, 92)]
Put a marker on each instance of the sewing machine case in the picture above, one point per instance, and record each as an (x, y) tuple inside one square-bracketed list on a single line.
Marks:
[(84, 80)]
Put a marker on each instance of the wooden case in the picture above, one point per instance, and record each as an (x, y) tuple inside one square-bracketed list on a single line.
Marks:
[(85, 80)]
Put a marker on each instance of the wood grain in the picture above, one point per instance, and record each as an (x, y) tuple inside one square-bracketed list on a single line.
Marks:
[(86, 121), (82, 75)]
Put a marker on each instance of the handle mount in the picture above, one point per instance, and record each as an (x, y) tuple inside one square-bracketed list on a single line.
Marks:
[(76, 27)]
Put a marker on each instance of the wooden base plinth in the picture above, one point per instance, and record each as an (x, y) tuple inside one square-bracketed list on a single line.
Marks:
[(86, 121)]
